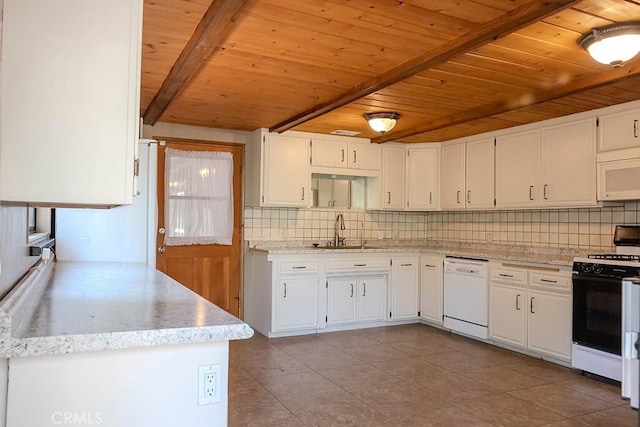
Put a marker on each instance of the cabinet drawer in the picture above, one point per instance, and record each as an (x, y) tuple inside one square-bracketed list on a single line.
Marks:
[(355, 265), (551, 280), (508, 275), (298, 267)]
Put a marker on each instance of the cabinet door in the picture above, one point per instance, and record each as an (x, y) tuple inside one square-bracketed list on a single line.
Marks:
[(517, 165), (286, 172), (479, 176), (297, 303), (550, 323), (70, 101), (341, 300), (453, 171), (328, 153), (404, 288), (393, 178), (569, 164), (371, 292), (364, 156), (423, 178), (507, 318), (431, 277), (619, 130)]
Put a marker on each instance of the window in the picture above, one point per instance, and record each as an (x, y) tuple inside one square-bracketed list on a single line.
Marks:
[(39, 223)]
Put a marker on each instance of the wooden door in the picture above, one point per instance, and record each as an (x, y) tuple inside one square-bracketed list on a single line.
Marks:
[(212, 271)]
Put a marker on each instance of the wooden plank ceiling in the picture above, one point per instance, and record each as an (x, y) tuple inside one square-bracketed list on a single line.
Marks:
[(450, 68)]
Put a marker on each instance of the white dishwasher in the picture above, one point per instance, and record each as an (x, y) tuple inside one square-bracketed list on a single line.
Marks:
[(466, 296)]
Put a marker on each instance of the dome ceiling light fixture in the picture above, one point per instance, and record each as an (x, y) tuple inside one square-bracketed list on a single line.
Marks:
[(613, 44), (382, 121)]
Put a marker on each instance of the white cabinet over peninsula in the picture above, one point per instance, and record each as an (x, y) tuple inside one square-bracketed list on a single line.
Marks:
[(112, 343)]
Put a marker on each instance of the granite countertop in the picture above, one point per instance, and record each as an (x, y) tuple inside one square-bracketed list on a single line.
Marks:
[(100, 306), (541, 255)]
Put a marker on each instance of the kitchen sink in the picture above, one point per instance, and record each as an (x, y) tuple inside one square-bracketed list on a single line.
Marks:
[(354, 247)]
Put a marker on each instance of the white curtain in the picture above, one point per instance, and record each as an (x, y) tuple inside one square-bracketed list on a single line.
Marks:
[(198, 197)]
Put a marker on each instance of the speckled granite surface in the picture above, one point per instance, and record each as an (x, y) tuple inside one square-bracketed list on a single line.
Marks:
[(101, 306), (542, 255)]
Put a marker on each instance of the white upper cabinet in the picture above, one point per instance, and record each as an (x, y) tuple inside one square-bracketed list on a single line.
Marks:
[(285, 171), (479, 177), (517, 168), (453, 176), (619, 130), (393, 164), (568, 160), (423, 178), (334, 153), (70, 101)]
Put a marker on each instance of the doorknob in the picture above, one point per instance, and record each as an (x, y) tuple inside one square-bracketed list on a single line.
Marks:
[(161, 250), (162, 230)]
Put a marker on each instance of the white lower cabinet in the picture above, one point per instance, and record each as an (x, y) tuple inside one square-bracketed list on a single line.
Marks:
[(531, 308), (355, 299), (404, 292), (296, 303), (431, 278)]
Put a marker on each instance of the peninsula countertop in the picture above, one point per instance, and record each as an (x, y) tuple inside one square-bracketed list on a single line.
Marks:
[(100, 306)]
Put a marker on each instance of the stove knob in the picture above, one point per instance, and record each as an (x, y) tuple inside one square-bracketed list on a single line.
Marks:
[(586, 268), (597, 269)]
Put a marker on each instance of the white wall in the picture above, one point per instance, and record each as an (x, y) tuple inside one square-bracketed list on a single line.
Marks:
[(152, 386)]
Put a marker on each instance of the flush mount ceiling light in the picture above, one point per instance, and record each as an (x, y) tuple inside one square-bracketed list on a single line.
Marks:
[(383, 121), (613, 44)]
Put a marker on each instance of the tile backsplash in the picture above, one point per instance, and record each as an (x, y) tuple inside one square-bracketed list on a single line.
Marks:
[(590, 229)]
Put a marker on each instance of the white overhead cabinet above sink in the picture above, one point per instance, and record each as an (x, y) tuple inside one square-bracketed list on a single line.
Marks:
[(70, 101)]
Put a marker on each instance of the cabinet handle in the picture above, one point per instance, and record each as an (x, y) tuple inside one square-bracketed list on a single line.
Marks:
[(518, 302), (388, 197), (531, 192), (406, 265), (430, 197), (635, 128), (531, 306), (352, 290), (458, 196), (342, 161), (359, 265), (468, 196), (364, 289), (548, 281), (355, 158), (544, 191), (285, 290), (302, 193), (430, 266), (506, 275), (299, 267)]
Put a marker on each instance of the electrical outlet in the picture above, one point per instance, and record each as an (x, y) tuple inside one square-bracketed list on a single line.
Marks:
[(209, 384)]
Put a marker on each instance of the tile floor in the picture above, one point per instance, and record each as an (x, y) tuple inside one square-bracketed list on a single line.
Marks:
[(411, 375)]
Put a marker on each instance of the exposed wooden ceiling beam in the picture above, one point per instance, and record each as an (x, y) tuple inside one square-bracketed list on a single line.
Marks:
[(213, 29), (492, 30), (579, 85)]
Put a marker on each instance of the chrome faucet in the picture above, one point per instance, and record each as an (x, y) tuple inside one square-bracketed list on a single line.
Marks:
[(337, 240)]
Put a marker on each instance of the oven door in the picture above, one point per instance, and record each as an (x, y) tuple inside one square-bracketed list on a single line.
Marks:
[(597, 312)]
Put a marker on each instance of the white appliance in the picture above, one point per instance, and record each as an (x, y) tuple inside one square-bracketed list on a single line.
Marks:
[(466, 296), (619, 174), (631, 333)]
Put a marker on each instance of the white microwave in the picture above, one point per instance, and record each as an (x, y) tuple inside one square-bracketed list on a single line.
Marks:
[(619, 175)]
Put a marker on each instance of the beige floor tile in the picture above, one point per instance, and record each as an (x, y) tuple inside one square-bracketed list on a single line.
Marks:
[(402, 333), (356, 376), (563, 401), (591, 387), (300, 385), (399, 399), (497, 356), (456, 361), (421, 347), (326, 359), (268, 415), (302, 344), (376, 353), (261, 352), (549, 372), (441, 417), (505, 410), (618, 416), (503, 378), (453, 387), (273, 365), (340, 409), (342, 340), (409, 369)]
